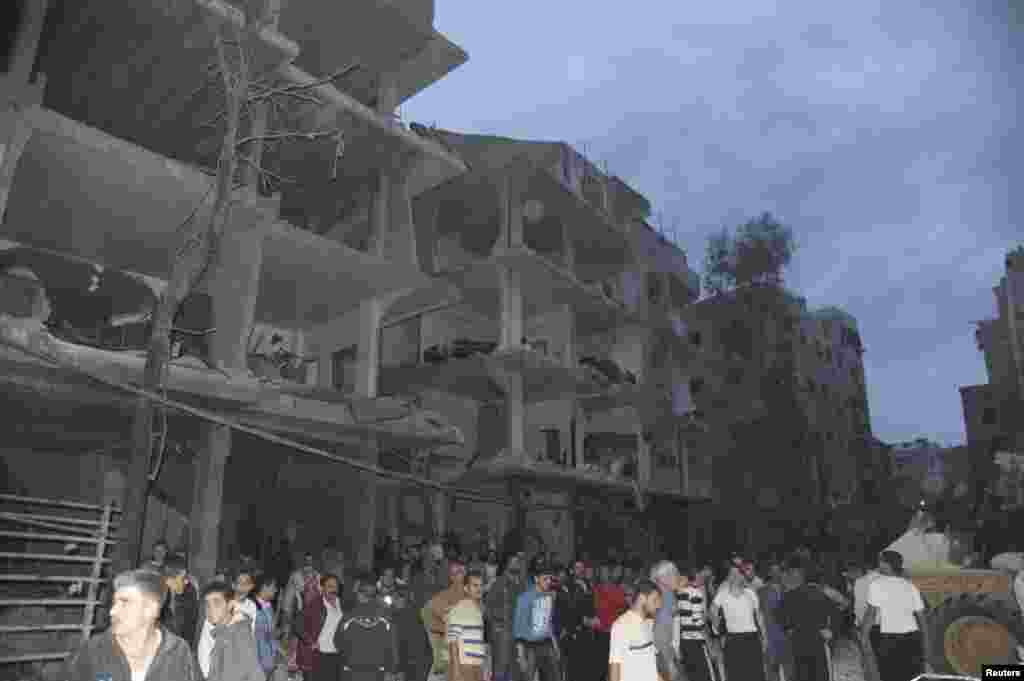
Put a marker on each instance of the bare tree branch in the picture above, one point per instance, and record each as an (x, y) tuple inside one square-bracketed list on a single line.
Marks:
[(287, 89), (290, 134), (263, 171)]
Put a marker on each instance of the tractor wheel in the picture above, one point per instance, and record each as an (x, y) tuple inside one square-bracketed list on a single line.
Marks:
[(970, 630)]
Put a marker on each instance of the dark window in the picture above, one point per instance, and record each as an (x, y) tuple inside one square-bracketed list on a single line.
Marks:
[(734, 376), (830, 437), (811, 385), (343, 368), (828, 354), (787, 324), (989, 416), (803, 338), (696, 385), (695, 338)]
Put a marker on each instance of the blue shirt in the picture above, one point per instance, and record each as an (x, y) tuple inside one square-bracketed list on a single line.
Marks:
[(533, 616)]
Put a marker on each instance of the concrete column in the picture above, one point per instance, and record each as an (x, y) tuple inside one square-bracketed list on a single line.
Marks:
[(207, 499), (360, 510), (643, 459), (511, 307), (16, 101), (510, 205), (234, 288), (26, 40), (581, 433), (368, 366), (515, 412), (439, 512), (683, 450)]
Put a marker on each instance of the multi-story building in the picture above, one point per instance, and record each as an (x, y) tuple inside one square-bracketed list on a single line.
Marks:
[(111, 119), (781, 390), (538, 340), (994, 412), (513, 333)]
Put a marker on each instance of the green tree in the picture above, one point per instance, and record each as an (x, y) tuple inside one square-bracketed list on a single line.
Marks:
[(757, 254)]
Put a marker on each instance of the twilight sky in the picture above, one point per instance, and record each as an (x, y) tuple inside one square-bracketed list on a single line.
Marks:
[(881, 132)]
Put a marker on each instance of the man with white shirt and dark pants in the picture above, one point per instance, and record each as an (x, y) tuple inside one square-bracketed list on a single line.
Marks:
[(896, 604), (860, 608), (633, 655), (744, 643)]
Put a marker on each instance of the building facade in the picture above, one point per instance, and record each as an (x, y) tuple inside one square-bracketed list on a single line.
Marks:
[(994, 411), (781, 390)]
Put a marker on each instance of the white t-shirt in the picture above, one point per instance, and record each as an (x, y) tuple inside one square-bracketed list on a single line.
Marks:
[(897, 600), (205, 647), (249, 608), (632, 647), (325, 644), (739, 611), (860, 595)]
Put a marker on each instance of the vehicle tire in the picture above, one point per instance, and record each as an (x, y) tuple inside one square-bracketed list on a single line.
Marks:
[(970, 630)]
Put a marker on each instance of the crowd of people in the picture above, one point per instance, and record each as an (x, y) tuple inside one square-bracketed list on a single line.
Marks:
[(431, 613)]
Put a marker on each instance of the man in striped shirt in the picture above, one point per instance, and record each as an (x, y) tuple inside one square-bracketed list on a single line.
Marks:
[(691, 605), (465, 625)]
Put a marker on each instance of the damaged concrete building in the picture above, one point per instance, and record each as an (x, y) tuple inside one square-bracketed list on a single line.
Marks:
[(781, 389), (492, 315)]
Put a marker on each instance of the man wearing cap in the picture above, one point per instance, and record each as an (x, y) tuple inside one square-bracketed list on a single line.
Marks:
[(533, 627), (897, 605)]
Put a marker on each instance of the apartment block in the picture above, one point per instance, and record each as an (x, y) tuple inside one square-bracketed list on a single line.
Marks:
[(780, 390), (994, 411)]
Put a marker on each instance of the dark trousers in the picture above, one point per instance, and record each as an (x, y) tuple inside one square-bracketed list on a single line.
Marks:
[(697, 661), (744, 659), (581, 662), (503, 654), (603, 650), (899, 656), (326, 667), (541, 658), (810, 661)]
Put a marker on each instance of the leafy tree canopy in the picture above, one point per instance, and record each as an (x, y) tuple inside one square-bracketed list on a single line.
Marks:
[(757, 253)]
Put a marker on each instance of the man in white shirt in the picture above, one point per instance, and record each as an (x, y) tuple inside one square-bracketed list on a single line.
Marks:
[(633, 655), (896, 604), (860, 607)]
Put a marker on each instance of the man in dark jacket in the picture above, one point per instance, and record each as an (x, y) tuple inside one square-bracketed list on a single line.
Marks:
[(415, 654), (229, 654), (135, 644), (577, 620), (180, 612), (807, 614), (499, 611), (367, 638)]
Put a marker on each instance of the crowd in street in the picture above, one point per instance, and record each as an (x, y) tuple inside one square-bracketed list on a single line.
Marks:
[(432, 613)]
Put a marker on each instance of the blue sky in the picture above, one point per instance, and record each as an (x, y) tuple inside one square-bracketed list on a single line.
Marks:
[(882, 133)]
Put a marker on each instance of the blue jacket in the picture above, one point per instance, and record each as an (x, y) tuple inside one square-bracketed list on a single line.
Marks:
[(266, 644), (534, 616)]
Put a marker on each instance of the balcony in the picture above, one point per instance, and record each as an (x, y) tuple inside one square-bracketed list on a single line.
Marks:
[(78, 190), (143, 74), (482, 377)]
